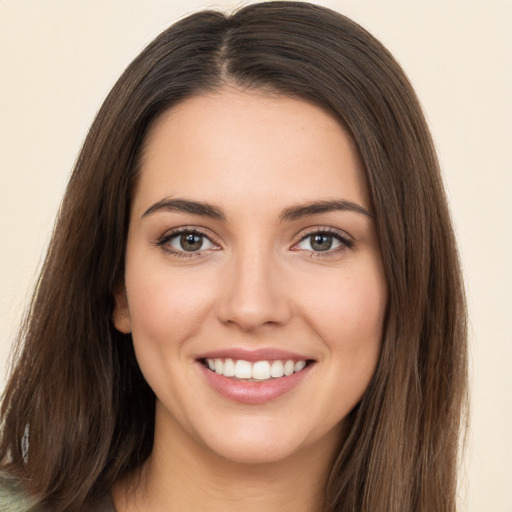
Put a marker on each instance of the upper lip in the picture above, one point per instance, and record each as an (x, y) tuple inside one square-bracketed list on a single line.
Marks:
[(253, 355)]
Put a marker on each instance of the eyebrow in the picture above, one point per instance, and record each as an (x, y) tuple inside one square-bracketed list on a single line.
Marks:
[(288, 214), (186, 206), (316, 207)]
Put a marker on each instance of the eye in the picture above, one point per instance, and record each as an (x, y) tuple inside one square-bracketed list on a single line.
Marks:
[(190, 242), (185, 242), (323, 241)]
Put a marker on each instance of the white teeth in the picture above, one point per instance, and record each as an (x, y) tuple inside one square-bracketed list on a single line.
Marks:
[(259, 370), (289, 366), (229, 368), (299, 365), (276, 370), (243, 369)]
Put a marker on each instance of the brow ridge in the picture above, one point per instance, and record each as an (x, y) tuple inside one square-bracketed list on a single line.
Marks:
[(317, 207), (186, 206), (288, 214)]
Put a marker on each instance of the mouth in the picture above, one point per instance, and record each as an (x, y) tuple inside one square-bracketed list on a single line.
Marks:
[(256, 376), (255, 371)]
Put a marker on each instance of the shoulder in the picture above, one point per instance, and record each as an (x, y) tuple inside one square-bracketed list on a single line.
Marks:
[(14, 499)]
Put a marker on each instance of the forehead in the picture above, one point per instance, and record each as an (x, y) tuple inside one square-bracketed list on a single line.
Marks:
[(234, 146)]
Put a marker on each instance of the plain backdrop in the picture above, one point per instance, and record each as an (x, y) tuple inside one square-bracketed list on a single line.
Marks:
[(59, 58)]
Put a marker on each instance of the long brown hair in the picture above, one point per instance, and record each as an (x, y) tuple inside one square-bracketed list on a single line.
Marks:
[(77, 413)]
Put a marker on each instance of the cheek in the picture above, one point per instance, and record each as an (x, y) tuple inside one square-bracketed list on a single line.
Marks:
[(166, 306), (353, 339), (350, 309), (166, 310), (362, 326), (363, 306), (349, 320)]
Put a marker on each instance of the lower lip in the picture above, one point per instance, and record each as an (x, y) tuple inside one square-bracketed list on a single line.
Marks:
[(252, 392)]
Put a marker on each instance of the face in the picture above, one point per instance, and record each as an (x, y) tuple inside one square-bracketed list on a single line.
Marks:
[(253, 289)]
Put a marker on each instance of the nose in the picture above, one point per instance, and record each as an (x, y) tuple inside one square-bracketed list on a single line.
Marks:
[(254, 293)]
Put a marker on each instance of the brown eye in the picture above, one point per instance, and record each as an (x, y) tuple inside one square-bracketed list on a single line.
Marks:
[(191, 242)]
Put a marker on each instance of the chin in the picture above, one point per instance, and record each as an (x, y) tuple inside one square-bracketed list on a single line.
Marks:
[(255, 452), (267, 440)]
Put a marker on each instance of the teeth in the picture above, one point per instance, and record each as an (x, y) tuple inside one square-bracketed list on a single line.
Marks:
[(259, 370), (289, 367), (299, 365), (276, 370), (243, 369), (219, 366), (229, 368)]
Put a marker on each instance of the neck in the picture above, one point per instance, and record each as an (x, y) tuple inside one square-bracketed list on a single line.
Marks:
[(182, 475)]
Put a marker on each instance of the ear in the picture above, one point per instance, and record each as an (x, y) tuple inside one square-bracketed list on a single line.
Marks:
[(121, 314)]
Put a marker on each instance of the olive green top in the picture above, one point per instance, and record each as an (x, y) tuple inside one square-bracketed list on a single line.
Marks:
[(14, 499)]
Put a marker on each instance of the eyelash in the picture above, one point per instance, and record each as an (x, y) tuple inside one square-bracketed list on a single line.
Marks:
[(343, 239)]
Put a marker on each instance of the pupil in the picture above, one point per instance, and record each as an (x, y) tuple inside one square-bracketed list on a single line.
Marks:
[(191, 242), (321, 242)]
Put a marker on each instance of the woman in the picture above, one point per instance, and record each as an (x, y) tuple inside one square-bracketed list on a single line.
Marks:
[(252, 297)]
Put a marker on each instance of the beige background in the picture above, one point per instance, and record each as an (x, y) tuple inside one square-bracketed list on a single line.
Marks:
[(58, 59)]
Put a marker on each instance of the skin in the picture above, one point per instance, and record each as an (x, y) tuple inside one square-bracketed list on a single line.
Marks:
[(259, 283)]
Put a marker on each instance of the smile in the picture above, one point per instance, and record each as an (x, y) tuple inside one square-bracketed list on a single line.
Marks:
[(254, 377), (254, 371)]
